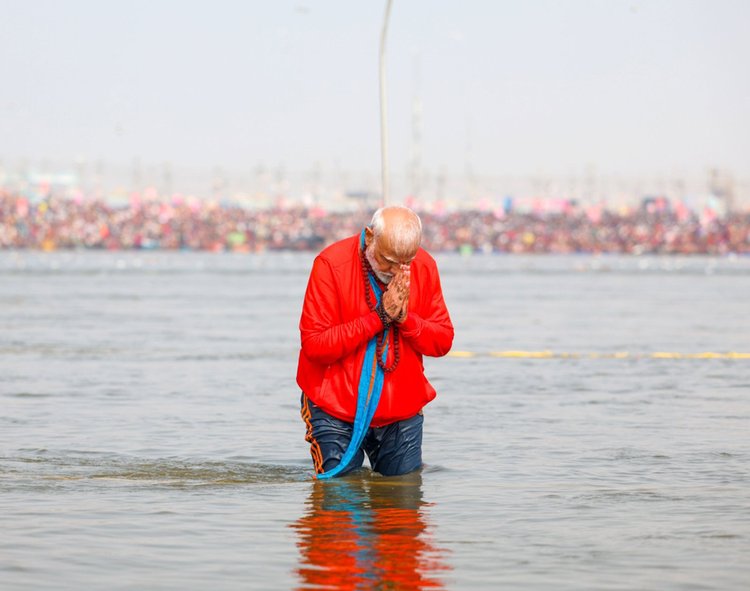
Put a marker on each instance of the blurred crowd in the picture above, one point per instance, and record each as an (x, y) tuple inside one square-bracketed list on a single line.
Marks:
[(655, 227)]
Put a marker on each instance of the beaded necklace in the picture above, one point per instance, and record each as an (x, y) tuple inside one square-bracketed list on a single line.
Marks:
[(373, 305)]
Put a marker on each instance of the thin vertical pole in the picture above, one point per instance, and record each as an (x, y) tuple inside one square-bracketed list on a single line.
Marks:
[(384, 108)]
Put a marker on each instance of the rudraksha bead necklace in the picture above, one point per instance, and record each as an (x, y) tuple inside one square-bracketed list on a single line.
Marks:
[(387, 321)]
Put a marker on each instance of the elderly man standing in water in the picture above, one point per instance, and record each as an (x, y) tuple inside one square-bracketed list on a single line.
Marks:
[(373, 307)]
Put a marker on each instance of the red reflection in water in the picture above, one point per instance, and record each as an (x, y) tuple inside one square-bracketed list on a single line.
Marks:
[(368, 533)]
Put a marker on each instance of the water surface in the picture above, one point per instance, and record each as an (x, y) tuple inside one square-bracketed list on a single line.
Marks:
[(150, 436)]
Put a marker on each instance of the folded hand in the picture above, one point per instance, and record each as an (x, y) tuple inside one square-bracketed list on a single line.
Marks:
[(396, 296)]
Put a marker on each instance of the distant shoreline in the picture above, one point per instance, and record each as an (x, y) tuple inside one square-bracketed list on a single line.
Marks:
[(658, 226)]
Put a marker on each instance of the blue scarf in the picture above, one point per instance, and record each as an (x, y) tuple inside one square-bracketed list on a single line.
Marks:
[(370, 386)]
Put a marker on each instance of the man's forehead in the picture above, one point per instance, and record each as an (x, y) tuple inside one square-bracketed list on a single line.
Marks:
[(389, 254), (400, 261)]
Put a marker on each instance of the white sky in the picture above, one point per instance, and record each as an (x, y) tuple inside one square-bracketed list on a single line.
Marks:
[(633, 87)]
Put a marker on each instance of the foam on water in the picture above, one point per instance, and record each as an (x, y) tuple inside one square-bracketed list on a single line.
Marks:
[(97, 469)]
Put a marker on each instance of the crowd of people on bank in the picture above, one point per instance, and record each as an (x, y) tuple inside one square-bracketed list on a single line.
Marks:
[(654, 228)]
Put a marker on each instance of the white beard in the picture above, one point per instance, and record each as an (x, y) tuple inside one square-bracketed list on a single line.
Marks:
[(384, 277)]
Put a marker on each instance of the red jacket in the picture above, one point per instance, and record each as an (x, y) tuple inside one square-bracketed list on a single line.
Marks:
[(337, 324)]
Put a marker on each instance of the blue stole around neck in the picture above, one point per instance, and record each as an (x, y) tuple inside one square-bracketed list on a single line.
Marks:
[(370, 386)]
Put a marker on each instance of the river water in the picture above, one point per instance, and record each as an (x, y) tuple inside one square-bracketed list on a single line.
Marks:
[(150, 435)]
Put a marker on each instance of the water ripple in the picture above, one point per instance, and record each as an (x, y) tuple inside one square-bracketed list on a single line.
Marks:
[(128, 471)]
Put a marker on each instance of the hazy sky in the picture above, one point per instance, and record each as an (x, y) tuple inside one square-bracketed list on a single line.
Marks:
[(658, 86)]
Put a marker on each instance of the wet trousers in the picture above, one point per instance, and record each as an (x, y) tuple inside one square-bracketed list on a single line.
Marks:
[(392, 450)]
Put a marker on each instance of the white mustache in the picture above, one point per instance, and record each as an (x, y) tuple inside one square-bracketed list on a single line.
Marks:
[(384, 277)]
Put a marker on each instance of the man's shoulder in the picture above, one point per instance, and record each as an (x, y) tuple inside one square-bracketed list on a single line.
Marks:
[(339, 252), (425, 258)]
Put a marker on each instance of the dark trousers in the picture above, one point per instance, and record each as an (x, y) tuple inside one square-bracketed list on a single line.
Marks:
[(392, 450)]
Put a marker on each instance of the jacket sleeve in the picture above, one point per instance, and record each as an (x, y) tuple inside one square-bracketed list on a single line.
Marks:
[(432, 334), (324, 338)]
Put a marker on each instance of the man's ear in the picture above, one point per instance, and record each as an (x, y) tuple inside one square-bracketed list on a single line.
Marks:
[(368, 236)]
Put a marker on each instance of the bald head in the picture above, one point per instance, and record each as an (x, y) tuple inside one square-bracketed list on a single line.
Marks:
[(398, 227)]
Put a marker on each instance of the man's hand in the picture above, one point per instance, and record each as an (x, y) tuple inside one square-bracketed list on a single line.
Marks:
[(396, 297)]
